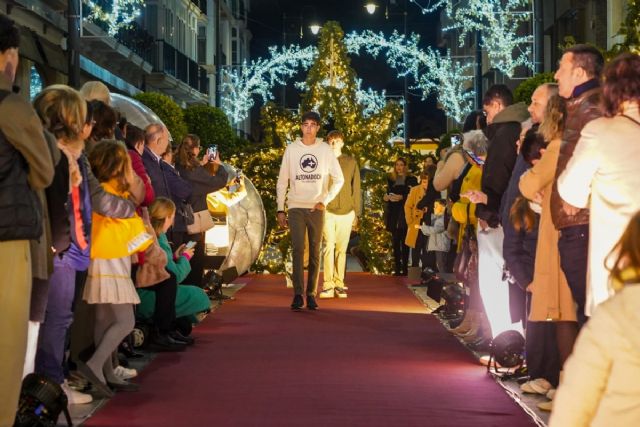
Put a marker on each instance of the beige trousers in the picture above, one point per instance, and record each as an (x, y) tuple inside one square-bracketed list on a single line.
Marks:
[(15, 297), (336, 233)]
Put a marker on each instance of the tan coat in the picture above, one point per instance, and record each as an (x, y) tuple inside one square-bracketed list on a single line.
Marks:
[(413, 215), (600, 386), (550, 294), (602, 175)]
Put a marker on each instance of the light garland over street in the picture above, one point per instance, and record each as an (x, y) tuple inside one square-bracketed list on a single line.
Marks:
[(121, 14), (498, 22), (444, 76)]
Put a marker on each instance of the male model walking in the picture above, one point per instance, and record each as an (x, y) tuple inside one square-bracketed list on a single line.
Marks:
[(307, 165)]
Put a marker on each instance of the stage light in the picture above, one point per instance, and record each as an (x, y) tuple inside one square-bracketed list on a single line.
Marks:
[(371, 7), (507, 349), (315, 29)]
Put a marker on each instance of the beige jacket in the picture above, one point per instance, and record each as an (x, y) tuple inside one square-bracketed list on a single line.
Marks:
[(551, 297), (601, 382), (603, 176)]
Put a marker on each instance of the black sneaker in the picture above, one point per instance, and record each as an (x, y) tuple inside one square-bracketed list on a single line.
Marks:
[(311, 302), (297, 302)]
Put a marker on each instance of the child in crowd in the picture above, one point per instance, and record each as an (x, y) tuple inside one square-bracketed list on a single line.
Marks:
[(439, 241), (109, 285), (190, 300), (600, 382), (71, 198)]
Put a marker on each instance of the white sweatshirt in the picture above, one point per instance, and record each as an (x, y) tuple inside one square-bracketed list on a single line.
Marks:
[(305, 170)]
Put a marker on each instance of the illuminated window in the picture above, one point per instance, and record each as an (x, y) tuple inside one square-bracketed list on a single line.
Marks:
[(36, 83)]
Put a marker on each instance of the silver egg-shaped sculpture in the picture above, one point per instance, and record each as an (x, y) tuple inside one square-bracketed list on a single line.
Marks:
[(245, 222)]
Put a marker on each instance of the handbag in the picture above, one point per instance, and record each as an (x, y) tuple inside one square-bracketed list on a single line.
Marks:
[(185, 210), (153, 270), (202, 222), (118, 237)]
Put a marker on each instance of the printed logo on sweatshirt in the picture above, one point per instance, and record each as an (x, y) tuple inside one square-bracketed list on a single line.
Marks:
[(308, 164)]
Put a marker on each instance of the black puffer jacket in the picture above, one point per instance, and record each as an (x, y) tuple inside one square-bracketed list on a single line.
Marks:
[(20, 209)]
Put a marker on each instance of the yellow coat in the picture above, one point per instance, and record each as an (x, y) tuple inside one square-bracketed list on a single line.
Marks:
[(413, 215)]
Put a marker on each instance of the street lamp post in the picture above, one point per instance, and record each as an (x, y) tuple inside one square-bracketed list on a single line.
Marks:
[(371, 7)]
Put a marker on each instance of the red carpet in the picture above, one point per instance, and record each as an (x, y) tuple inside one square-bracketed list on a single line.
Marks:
[(374, 359)]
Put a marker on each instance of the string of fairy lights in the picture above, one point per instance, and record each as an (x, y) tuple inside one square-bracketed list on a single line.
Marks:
[(120, 14), (498, 21)]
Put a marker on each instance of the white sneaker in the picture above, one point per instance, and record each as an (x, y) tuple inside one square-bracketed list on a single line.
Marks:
[(125, 373), (327, 293), (75, 397), (551, 394), (340, 293), (537, 386)]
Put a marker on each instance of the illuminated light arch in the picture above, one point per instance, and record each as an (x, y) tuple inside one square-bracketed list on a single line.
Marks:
[(434, 73)]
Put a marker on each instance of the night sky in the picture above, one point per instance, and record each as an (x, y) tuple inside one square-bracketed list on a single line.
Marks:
[(273, 21)]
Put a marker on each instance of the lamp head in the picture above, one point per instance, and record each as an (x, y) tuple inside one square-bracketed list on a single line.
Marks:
[(371, 7), (315, 29)]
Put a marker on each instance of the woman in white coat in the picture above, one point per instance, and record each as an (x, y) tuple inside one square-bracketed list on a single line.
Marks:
[(603, 171), (600, 385)]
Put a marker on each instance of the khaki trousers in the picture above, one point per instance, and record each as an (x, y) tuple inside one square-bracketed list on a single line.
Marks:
[(336, 233), (15, 297)]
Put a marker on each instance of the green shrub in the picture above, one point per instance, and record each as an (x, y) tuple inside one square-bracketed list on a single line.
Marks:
[(169, 112), (212, 126), (525, 89)]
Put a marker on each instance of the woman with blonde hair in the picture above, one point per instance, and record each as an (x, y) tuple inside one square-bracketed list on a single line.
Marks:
[(96, 90), (192, 169), (600, 382)]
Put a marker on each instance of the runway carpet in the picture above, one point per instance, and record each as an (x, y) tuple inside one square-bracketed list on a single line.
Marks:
[(374, 359)]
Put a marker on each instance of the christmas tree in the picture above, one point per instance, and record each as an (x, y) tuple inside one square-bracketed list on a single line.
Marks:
[(331, 90)]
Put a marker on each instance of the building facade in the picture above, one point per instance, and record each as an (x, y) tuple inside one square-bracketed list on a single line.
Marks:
[(175, 47)]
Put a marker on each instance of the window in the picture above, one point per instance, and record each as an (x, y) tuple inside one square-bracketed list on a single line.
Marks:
[(35, 83)]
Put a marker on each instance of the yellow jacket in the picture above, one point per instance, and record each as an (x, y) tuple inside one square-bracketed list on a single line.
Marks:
[(413, 215)]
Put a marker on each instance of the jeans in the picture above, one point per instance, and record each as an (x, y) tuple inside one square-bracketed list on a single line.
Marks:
[(58, 318), (573, 245)]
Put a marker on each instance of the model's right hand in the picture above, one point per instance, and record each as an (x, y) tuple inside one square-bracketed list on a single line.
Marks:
[(282, 220)]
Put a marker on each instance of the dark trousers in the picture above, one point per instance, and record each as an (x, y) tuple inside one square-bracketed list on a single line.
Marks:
[(573, 245), (541, 351), (197, 262), (419, 253), (164, 315), (400, 250), (305, 222)]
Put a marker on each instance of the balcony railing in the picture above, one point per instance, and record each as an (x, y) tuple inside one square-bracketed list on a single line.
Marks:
[(166, 59)]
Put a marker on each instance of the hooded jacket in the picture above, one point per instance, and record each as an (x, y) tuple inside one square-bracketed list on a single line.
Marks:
[(502, 134)]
